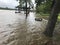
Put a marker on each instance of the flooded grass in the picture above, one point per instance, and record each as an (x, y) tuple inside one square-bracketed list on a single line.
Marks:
[(56, 37)]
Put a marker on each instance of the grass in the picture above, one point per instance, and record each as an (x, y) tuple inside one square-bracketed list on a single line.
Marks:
[(59, 17), (46, 16)]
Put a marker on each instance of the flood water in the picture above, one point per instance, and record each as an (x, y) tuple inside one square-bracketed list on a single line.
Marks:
[(15, 29)]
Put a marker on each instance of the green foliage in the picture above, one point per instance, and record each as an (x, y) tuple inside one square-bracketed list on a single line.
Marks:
[(22, 2), (48, 6), (40, 9), (44, 6), (38, 2)]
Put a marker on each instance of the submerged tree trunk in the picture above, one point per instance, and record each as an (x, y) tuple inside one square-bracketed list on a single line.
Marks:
[(52, 19), (26, 8)]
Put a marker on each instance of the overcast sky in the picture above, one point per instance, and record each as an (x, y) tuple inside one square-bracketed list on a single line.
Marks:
[(8, 3)]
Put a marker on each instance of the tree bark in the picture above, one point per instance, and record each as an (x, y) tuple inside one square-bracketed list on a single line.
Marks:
[(52, 19)]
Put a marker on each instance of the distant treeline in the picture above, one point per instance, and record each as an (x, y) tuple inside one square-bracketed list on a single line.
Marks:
[(6, 8)]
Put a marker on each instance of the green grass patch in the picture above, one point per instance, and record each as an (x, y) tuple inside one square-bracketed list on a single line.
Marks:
[(59, 17), (44, 16)]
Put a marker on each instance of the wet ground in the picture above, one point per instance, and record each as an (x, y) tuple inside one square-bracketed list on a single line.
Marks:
[(15, 29)]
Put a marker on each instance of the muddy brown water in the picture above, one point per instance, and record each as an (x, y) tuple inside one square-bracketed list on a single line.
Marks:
[(16, 30)]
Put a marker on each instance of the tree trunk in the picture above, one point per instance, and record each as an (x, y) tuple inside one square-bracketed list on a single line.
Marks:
[(52, 19), (26, 9)]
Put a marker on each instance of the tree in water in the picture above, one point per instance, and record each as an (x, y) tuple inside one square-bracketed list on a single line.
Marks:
[(52, 19), (52, 22), (24, 4)]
